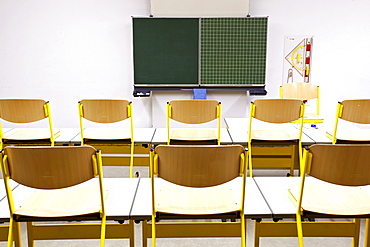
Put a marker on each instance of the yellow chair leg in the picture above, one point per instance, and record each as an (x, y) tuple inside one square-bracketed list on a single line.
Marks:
[(243, 228), (102, 231), (11, 232), (131, 159), (300, 230)]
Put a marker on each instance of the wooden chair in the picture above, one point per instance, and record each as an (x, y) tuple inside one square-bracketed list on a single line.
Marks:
[(193, 112), (189, 182), (305, 92), (353, 112), (284, 142), (56, 173), (342, 170), (106, 111), (25, 111)]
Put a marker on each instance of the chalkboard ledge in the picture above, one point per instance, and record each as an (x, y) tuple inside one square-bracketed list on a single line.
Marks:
[(146, 91)]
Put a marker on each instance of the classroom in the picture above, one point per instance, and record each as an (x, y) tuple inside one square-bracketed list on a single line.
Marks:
[(67, 51)]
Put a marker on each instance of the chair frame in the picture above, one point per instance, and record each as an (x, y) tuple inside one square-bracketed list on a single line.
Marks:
[(181, 229), (14, 226), (338, 177), (303, 91), (200, 118), (352, 115), (39, 115), (115, 119), (286, 119)]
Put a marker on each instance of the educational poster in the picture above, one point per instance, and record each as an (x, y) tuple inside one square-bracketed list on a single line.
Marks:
[(297, 59)]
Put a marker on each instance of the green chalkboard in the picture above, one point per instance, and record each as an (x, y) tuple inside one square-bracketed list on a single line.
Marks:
[(166, 51), (200, 51)]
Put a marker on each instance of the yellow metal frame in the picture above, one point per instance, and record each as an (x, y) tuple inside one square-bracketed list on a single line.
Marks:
[(169, 116), (352, 228), (252, 110), (338, 114), (51, 232), (318, 103), (50, 119), (193, 229), (129, 115)]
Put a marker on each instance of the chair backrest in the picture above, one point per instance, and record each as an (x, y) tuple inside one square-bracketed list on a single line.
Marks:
[(50, 167), (345, 164), (198, 165), (299, 90), (193, 111), (277, 110), (357, 111), (105, 110), (23, 110)]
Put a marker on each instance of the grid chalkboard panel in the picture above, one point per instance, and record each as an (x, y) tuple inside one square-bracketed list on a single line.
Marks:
[(233, 51), (200, 51), (166, 51)]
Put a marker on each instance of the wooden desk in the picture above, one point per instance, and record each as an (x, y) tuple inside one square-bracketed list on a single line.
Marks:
[(160, 136), (255, 207)]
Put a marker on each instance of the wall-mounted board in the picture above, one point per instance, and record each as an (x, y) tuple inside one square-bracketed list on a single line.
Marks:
[(199, 52)]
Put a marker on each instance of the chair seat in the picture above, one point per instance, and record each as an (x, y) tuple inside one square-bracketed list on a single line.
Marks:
[(107, 134), (175, 199), (73, 201), (274, 135), (193, 134), (353, 134), (333, 199), (29, 134)]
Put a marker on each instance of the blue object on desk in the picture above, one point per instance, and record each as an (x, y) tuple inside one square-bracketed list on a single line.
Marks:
[(199, 93)]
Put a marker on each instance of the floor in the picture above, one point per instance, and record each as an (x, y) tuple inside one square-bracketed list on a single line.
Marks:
[(215, 242)]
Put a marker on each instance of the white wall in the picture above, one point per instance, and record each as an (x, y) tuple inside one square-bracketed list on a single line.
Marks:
[(64, 51)]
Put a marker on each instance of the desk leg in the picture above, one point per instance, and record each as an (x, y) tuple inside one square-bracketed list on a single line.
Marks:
[(256, 234), (30, 234), (18, 235), (144, 232), (367, 232), (132, 233)]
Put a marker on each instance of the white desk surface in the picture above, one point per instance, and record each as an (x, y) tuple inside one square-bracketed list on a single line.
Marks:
[(318, 134), (121, 193), (275, 191), (141, 136), (255, 204), (160, 136), (66, 135), (238, 129)]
